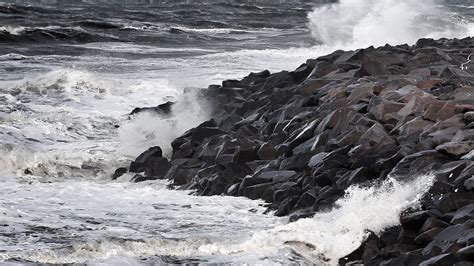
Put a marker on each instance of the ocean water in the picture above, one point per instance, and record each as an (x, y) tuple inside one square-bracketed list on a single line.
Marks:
[(71, 71)]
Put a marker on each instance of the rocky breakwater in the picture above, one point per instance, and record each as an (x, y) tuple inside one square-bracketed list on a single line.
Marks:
[(298, 139)]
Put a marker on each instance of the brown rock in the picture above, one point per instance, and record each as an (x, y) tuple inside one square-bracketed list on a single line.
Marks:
[(381, 109), (428, 83), (456, 148), (447, 111), (432, 110)]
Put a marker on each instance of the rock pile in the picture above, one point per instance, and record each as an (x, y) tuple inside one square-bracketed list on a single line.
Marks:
[(299, 139)]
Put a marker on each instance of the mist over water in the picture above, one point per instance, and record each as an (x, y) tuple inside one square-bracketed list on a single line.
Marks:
[(72, 71)]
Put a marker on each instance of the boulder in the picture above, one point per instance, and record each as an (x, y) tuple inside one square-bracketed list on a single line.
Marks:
[(419, 163), (466, 253), (441, 260), (163, 109), (119, 172), (140, 162), (464, 214), (456, 149), (469, 116), (267, 152)]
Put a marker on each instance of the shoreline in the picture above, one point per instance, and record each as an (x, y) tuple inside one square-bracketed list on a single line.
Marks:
[(298, 139)]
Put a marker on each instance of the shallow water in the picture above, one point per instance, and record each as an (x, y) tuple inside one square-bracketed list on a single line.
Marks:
[(71, 71)]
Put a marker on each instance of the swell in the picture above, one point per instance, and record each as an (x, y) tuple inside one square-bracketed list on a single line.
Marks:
[(52, 34)]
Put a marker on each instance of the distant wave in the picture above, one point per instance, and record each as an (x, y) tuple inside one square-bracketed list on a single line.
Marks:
[(18, 34), (96, 24)]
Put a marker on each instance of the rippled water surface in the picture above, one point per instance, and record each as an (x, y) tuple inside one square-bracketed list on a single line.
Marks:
[(71, 71)]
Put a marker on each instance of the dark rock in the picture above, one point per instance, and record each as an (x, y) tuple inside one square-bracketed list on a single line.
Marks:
[(159, 166), (441, 260), (445, 239), (469, 116), (181, 176), (427, 236), (433, 222), (162, 109), (469, 183), (453, 201), (464, 214), (119, 172), (466, 253), (140, 178), (419, 163), (258, 191), (141, 161), (301, 72), (267, 152)]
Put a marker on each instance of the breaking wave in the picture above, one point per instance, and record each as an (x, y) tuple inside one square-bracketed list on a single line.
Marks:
[(361, 23)]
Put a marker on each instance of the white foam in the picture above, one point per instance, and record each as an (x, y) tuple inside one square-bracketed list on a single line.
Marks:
[(13, 30), (91, 221), (354, 24), (338, 232), (147, 129)]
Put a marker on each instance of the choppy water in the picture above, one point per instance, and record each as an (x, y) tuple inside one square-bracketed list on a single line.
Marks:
[(71, 71)]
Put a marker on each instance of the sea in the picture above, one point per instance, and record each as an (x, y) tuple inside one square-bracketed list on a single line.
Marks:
[(71, 72)]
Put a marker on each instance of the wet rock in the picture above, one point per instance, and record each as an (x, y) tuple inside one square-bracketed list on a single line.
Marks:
[(442, 241), (140, 162), (415, 221), (162, 109), (119, 172), (139, 178), (419, 163), (298, 139), (159, 167)]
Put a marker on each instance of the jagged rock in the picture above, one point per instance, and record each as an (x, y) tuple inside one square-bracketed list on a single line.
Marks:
[(159, 166), (427, 236), (298, 139), (453, 201), (162, 109), (139, 178), (419, 163), (466, 253), (267, 152), (456, 148), (119, 172), (446, 238), (444, 259), (414, 221), (464, 214), (433, 222), (140, 162)]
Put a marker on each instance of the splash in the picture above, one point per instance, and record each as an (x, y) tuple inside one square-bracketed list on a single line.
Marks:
[(148, 129), (361, 23), (331, 235)]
